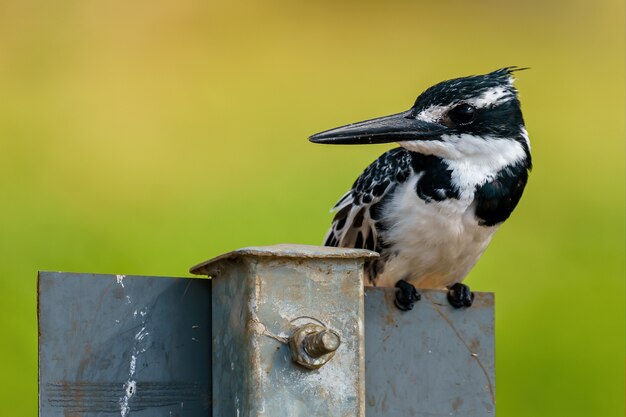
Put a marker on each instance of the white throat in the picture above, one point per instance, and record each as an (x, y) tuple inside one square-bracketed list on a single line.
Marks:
[(473, 160)]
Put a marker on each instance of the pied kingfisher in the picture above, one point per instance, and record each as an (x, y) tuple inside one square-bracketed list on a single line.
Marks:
[(431, 206)]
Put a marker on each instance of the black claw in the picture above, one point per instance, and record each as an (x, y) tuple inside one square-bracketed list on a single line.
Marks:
[(406, 296), (459, 295)]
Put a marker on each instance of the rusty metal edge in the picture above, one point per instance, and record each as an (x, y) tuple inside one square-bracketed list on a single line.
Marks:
[(362, 349), (210, 266)]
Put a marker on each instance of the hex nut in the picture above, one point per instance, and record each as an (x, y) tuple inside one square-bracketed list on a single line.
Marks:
[(313, 345)]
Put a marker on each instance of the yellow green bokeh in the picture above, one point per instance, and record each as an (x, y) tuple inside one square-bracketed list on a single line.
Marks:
[(143, 137)]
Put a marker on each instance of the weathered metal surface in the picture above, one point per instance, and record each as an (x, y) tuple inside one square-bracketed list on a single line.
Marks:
[(123, 345), (139, 346), (260, 296), (431, 361), (282, 251)]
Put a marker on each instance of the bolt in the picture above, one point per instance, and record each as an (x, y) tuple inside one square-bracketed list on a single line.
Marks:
[(312, 345), (321, 343)]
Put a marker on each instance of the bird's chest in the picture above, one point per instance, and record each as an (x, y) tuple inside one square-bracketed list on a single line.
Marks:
[(432, 243)]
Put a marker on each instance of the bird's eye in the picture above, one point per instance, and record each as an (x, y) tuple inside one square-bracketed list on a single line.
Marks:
[(462, 114)]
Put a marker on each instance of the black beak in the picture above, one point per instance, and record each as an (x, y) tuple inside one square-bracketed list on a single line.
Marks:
[(395, 128)]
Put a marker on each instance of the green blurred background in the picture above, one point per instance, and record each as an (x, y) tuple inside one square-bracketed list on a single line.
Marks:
[(143, 137)]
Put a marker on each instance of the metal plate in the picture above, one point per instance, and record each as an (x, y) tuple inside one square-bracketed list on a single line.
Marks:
[(124, 345), (431, 361)]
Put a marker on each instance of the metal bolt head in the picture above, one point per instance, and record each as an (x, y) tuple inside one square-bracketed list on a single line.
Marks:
[(313, 345)]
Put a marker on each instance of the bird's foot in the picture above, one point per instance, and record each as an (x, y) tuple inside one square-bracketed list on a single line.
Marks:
[(459, 295), (406, 296)]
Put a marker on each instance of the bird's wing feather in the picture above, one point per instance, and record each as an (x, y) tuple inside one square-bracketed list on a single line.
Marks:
[(358, 211)]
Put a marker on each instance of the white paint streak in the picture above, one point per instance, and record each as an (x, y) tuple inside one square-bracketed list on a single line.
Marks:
[(120, 279), (130, 387), (133, 364), (139, 347), (141, 334)]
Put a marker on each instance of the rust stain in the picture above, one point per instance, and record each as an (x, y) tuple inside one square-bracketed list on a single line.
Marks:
[(84, 361), (76, 395), (458, 401), (474, 345), (384, 407), (80, 398), (99, 302), (483, 300), (390, 319), (487, 328)]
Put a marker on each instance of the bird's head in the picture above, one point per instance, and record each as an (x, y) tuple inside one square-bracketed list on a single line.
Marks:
[(456, 119)]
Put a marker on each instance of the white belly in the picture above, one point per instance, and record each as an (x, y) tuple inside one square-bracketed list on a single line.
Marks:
[(435, 244)]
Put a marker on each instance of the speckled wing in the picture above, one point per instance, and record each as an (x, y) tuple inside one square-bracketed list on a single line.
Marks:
[(357, 220)]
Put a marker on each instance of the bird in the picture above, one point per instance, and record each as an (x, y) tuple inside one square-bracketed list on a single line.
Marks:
[(431, 206)]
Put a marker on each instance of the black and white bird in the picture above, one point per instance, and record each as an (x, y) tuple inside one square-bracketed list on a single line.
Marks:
[(431, 206)]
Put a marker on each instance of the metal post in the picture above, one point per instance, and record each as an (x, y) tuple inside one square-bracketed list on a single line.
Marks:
[(288, 331)]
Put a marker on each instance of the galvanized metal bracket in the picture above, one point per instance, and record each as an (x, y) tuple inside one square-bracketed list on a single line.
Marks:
[(261, 296)]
